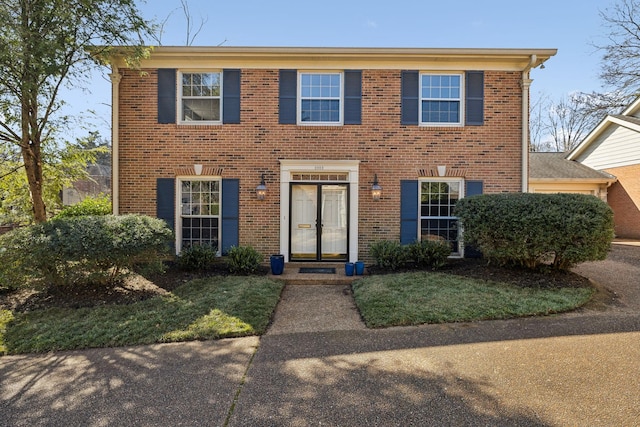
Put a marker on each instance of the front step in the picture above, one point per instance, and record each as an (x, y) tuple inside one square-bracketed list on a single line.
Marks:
[(292, 276)]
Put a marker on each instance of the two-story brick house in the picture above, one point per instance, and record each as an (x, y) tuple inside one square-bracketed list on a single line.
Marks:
[(315, 153)]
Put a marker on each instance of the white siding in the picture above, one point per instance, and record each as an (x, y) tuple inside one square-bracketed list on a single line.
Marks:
[(615, 147)]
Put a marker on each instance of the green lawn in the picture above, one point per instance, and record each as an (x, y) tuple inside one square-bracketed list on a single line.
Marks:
[(234, 306), (215, 307), (421, 297)]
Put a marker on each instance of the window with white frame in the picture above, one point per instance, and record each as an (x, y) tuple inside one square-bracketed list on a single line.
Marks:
[(441, 99), (199, 212), (320, 98), (438, 197), (200, 97)]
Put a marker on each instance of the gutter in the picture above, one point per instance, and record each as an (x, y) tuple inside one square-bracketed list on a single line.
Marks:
[(526, 84)]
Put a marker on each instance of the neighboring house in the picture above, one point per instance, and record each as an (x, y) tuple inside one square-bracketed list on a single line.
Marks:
[(98, 182), (553, 173), (315, 153), (614, 147)]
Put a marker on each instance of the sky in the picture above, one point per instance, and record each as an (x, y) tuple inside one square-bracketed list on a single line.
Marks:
[(571, 26)]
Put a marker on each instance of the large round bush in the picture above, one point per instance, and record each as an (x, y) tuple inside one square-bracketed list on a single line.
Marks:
[(534, 229)]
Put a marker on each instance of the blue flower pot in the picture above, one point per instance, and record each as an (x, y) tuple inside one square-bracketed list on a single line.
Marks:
[(277, 264), (359, 268), (349, 269)]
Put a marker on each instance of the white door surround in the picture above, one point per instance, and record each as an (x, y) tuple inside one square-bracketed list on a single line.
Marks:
[(290, 167)]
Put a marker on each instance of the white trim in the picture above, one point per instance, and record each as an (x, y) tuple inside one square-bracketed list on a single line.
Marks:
[(115, 77), (179, 111), (299, 121), (178, 207), (287, 167)]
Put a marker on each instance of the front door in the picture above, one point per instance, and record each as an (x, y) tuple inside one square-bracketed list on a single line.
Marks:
[(319, 222)]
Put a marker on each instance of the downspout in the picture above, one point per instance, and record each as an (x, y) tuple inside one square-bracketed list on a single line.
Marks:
[(526, 84), (115, 77)]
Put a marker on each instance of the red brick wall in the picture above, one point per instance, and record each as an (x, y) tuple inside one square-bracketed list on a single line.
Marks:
[(624, 198), (491, 153)]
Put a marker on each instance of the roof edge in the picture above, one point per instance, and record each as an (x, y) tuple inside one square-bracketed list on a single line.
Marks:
[(522, 57)]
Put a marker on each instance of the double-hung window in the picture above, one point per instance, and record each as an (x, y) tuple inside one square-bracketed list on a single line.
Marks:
[(201, 97), (320, 98), (199, 212), (441, 99), (437, 201)]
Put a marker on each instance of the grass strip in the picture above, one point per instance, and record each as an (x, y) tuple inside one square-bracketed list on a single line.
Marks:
[(426, 297), (210, 308)]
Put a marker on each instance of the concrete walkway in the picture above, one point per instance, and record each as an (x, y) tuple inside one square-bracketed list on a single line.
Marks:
[(315, 308), (580, 368)]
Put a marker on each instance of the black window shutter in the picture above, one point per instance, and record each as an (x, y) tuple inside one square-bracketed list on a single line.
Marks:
[(230, 214), (352, 97), (475, 98), (474, 188), (167, 95), (410, 92), (165, 202), (288, 95), (408, 212), (231, 96)]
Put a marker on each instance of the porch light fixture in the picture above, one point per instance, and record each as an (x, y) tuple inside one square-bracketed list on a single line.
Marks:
[(376, 190), (261, 189)]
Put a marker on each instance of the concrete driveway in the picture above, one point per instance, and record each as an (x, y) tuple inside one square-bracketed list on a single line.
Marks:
[(581, 368)]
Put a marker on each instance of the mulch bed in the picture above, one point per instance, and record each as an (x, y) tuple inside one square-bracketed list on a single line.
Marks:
[(137, 288)]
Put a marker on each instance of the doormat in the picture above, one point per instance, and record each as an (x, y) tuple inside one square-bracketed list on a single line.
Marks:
[(318, 270)]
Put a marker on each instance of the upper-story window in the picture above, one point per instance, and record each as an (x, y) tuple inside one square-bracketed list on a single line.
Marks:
[(440, 99), (320, 98), (201, 97)]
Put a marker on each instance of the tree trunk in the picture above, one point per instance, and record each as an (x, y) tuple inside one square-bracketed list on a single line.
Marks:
[(33, 168), (31, 153)]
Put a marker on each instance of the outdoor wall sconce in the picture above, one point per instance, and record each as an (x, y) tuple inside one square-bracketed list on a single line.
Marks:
[(376, 189), (261, 189), (197, 169)]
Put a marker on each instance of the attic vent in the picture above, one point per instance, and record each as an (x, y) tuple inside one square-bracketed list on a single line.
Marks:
[(319, 177)]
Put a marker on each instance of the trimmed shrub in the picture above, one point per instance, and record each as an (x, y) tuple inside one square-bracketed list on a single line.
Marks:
[(196, 257), (429, 253), (100, 205), (537, 229), (243, 260), (83, 250), (388, 255)]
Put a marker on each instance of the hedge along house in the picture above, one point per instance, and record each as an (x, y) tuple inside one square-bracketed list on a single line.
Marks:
[(315, 153)]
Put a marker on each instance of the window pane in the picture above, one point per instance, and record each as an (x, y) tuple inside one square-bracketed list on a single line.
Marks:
[(441, 98), (201, 110), (320, 110), (437, 200), (200, 209), (201, 96), (320, 95)]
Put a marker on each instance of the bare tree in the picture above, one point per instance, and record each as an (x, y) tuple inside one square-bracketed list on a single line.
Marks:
[(537, 123), (621, 59), (191, 33), (562, 125)]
